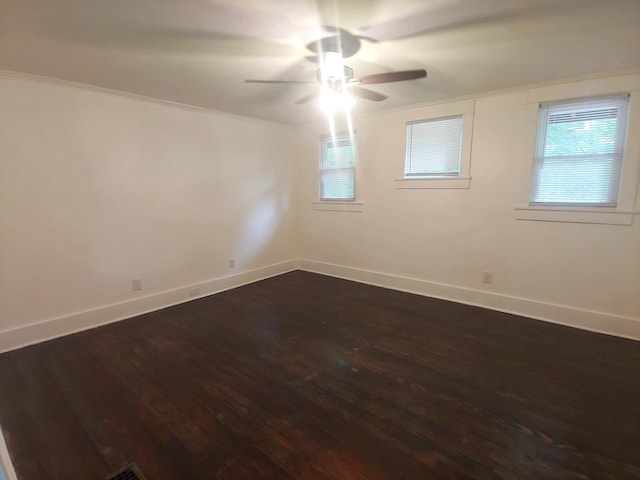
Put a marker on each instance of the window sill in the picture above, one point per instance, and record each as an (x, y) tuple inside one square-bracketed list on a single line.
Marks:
[(338, 206), (575, 215), (434, 182)]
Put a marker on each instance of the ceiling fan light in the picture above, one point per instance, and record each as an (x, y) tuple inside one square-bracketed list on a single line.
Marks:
[(330, 101), (347, 101), (327, 101), (333, 66)]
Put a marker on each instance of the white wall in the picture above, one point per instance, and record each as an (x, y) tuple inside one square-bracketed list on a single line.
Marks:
[(438, 242), (97, 189)]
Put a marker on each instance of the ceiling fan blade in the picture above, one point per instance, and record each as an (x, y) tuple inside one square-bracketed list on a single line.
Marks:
[(452, 15), (368, 39), (308, 98), (392, 77), (174, 27), (367, 94), (295, 82)]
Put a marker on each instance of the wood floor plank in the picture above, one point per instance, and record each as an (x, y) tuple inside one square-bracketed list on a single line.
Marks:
[(304, 376), (37, 396)]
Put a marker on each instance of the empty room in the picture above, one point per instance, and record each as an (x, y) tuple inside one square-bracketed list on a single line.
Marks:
[(319, 239)]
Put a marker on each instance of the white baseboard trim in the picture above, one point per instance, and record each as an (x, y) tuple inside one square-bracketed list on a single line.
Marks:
[(41, 331), (599, 322), (14, 338)]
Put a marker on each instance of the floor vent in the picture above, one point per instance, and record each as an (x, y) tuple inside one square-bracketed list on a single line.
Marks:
[(128, 472)]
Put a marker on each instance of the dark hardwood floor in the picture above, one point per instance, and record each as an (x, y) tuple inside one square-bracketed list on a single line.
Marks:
[(310, 377)]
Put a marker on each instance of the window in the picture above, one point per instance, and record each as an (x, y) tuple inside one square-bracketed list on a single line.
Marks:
[(579, 151), (437, 141), (434, 148), (337, 168)]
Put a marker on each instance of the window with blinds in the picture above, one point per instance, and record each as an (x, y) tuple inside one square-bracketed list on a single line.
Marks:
[(337, 168), (434, 147), (579, 149)]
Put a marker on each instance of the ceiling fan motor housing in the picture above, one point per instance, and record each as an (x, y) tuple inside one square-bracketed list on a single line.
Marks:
[(344, 43)]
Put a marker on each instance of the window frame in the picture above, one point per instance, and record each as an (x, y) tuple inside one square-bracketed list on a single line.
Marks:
[(324, 141), (461, 108), (408, 149), (617, 155), (625, 211)]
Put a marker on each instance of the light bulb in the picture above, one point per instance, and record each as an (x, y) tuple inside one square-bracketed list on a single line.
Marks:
[(327, 101), (333, 66), (346, 101), (330, 101)]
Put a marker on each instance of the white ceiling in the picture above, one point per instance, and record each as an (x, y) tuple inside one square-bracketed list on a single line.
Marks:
[(199, 52)]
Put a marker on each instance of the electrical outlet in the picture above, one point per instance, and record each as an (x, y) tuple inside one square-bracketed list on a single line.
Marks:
[(194, 292), (487, 276), (136, 284), (232, 263)]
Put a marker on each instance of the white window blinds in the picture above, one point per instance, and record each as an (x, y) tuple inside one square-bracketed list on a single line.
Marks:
[(337, 179), (579, 151), (434, 147)]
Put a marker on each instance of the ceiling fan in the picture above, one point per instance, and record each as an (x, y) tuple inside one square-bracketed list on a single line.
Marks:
[(335, 81)]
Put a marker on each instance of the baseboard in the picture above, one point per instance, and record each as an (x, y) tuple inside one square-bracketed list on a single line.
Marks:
[(564, 315), (25, 335), (599, 322)]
